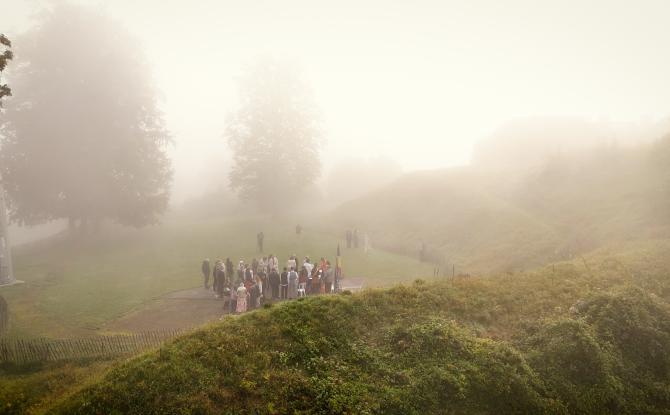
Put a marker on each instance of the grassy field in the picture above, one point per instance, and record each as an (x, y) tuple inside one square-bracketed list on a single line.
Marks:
[(588, 336), (73, 287)]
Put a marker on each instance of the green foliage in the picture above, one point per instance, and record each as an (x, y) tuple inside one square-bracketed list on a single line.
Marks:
[(31, 389), (424, 348), (577, 337), (576, 367), (637, 328)]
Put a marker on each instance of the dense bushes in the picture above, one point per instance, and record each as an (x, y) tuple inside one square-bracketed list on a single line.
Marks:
[(576, 368)]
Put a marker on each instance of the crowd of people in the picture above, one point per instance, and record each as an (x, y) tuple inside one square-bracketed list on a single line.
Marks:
[(354, 239), (247, 286)]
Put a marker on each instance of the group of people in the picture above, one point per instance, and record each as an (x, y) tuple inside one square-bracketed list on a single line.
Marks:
[(354, 239), (247, 286)]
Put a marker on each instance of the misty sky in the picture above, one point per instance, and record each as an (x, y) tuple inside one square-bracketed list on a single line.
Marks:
[(416, 81)]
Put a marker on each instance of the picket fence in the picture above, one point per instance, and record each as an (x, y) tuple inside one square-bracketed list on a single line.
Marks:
[(20, 351)]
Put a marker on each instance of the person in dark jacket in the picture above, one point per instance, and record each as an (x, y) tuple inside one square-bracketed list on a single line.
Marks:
[(215, 273), (274, 283), (254, 293), (205, 268), (283, 282), (220, 281), (229, 269), (267, 287), (248, 275)]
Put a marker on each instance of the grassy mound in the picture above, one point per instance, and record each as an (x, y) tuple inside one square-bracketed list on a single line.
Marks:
[(577, 337)]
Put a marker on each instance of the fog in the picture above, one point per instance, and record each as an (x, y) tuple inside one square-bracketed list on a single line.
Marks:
[(416, 82), (341, 202)]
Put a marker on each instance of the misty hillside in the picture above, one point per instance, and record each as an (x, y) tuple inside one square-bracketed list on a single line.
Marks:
[(494, 218), (528, 142)]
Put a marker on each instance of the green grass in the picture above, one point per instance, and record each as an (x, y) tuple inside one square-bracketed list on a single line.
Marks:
[(73, 287), (34, 388), (587, 336)]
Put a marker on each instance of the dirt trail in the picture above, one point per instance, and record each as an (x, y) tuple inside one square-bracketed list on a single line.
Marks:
[(183, 309), (180, 309)]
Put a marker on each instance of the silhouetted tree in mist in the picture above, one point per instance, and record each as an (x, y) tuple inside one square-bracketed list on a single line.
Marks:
[(83, 138), (274, 137)]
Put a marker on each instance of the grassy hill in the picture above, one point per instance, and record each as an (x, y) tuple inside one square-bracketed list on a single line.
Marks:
[(587, 336), (72, 286), (456, 217), (491, 219)]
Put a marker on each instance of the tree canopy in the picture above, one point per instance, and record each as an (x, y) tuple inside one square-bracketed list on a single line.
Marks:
[(83, 138), (274, 136)]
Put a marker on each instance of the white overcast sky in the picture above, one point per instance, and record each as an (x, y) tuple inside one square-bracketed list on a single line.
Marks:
[(416, 81)]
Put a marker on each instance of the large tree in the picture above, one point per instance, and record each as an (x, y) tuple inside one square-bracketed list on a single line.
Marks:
[(274, 136), (83, 138), (6, 274)]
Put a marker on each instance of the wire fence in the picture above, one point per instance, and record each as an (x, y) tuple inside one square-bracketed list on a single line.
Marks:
[(18, 351)]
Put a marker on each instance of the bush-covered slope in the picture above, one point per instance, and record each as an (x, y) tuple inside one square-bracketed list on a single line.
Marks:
[(583, 337)]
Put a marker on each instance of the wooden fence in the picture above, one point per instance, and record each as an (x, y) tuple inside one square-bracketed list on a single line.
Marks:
[(42, 350)]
